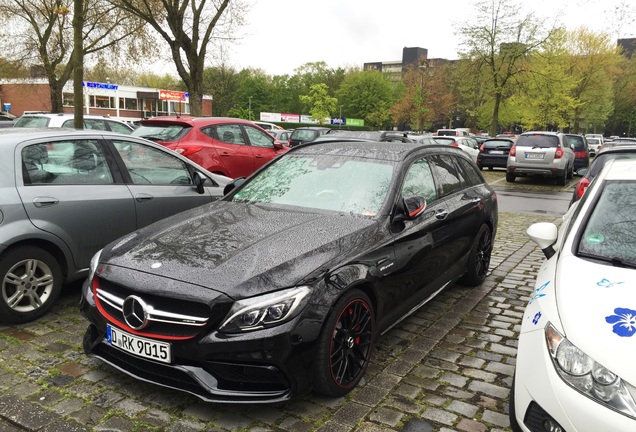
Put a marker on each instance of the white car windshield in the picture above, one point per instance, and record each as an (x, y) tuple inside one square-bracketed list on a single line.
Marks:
[(610, 233), (326, 182)]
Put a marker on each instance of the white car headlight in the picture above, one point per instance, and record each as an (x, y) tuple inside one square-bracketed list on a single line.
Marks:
[(267, 310), (587, 376)]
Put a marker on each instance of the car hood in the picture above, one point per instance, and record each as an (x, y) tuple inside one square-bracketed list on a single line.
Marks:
[(243, 249), (595, 303)]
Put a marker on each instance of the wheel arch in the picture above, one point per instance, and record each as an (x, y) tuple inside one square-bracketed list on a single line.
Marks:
[(49, 247)]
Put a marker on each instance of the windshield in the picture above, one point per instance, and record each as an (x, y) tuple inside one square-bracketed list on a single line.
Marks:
[(326, 182), (32, 122), (161, 132), (610, 232)]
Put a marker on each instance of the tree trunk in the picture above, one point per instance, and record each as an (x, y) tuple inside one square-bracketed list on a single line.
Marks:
[(495, 115)]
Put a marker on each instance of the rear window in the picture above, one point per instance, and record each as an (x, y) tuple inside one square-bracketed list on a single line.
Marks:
[(576, 142), (538, 140), (161, 132), (304, 134), (447, 132), (32, 122), (497, 143)]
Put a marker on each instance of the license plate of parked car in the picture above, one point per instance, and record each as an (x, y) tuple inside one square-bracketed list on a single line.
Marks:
[(534, 155), (496, 152), (142, 347)]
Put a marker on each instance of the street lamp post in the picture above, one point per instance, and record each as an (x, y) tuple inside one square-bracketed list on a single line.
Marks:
[(340, 122), (249, 112)]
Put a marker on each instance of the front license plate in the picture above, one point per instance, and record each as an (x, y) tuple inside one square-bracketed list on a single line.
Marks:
[(534, 155), (142, 347)]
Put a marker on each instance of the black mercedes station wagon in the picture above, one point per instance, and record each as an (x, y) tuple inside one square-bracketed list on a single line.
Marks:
[(283, 285)]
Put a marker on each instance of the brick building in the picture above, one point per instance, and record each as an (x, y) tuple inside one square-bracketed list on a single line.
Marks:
[(123, 102)]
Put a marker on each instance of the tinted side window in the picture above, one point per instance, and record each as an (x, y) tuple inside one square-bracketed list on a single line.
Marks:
[(419, 181), (258, 138), (230, 133), (448, 177), (471, 174)]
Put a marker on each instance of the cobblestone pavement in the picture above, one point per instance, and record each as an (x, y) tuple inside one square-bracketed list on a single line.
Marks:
[(448, 367)]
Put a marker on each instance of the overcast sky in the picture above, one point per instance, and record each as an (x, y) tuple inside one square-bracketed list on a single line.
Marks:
[(281, 35)]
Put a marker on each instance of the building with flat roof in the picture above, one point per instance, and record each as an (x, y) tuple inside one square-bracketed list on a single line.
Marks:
[(127, 103)]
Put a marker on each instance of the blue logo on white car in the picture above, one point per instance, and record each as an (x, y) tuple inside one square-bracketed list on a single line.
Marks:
[(537, 292), (607, 284), (624, 322)]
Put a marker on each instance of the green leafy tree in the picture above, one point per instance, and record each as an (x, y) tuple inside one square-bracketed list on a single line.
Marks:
[(320, 103), (369, 95), (594, 60), (222, 82), (497, 43)]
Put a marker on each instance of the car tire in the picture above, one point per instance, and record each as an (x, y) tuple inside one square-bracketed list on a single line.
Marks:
[(562, 180), (344, 347), (479, 259), (30, 283), (512, 412), (510, 177), (571, 172)]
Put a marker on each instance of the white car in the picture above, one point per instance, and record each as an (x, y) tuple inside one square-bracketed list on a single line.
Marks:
[(577, 344), (469, 144)]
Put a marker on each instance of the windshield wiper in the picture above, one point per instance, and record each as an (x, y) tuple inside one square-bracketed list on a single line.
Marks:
[(616, 262)]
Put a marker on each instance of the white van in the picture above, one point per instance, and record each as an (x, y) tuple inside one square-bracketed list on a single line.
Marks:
[(453, 132)]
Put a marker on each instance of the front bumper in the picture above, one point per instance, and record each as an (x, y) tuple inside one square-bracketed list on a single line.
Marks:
[(540, 395), (263, 366)]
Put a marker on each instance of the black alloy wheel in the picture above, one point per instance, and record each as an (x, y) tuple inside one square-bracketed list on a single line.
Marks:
[(344, 348), (479, 259)]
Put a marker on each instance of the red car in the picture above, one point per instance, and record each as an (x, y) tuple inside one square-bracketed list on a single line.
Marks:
[(228, 146)]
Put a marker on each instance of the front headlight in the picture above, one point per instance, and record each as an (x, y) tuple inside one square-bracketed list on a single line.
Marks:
[(267, 310), (587, 376), (94, 263)]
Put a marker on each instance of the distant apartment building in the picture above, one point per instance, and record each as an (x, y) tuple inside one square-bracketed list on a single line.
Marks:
[(411, 56), (125, 103), (628, 46)]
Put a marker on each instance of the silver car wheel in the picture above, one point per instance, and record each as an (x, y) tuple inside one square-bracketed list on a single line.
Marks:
[(27, 285)]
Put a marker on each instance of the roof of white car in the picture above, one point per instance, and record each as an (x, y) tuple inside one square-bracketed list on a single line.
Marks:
[(619, 169)]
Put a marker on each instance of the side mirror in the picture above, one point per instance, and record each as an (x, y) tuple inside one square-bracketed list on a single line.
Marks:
[(545, 235), (233, 184), (581, 172), (278, 145), (199, 180), (412, 206)]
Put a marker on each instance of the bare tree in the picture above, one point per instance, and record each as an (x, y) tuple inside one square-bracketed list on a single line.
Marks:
[(188, 27), (40, 34)]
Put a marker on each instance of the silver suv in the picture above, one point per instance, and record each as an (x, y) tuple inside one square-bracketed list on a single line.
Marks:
[(546, 154), (66, 120)]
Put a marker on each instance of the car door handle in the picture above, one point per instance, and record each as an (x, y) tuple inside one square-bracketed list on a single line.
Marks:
[(141, 197), (473, 199), (441, 214), (41, 202)]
